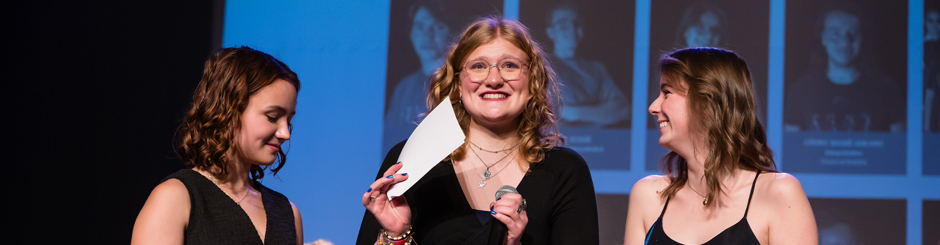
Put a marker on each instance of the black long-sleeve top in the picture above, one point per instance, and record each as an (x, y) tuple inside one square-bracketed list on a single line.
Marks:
[(559, 193)]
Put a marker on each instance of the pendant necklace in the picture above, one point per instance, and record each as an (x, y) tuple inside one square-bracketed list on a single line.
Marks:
[(705, 199), (497, 172), (486, 173)]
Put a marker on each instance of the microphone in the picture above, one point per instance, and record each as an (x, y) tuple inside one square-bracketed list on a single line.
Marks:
[(503, 190)]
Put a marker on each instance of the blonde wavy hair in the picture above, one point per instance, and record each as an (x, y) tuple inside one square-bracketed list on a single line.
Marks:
[(536, 127)]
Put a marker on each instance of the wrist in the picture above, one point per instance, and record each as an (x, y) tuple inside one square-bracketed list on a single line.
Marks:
[(397, 232), (403, 239), (512, 241), (397, 236)]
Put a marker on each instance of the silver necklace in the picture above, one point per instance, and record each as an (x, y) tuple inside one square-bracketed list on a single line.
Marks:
[(492, 151), (704, 198), (486, 173), (483, 183)]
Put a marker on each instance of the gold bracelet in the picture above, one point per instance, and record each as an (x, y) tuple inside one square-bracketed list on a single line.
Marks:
[(404, 239), (399, 238)]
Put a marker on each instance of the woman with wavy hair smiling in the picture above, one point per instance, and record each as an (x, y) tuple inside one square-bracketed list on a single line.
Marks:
[(239, 119), (720, 166), (502, 91)]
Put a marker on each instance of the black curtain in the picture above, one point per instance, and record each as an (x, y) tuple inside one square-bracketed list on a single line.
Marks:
[(96, 91)]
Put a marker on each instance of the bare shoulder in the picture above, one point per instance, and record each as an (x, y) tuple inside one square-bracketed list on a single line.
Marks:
[(785, 210), (645, 205), (782, 195), (296, 213), (298, 224), (171, 194), (294, 208), (645, 194), (782, 187), (164, 216), (650, 184)]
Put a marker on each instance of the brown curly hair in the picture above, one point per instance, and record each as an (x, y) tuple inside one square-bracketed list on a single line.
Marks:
[(537, 129), (722, 110), (230, 77)]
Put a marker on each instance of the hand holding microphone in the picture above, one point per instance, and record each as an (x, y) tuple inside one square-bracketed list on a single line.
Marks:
[(509, 208)]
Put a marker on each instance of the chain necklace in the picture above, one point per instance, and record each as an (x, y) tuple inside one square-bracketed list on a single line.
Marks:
[(486, 173), (492, 151), (239, 202), (705, 199), (482, 184)]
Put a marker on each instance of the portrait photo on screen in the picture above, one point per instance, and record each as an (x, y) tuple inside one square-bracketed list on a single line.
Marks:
[(860, 221), (737, 25), (845, 87), (590, 47), (420, 35), (931, 88), (931, 222), (612, 217)]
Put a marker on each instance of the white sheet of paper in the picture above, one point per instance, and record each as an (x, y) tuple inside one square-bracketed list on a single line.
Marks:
[(438, 135)]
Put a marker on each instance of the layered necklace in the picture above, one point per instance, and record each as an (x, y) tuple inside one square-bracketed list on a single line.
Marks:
[(486, 173)]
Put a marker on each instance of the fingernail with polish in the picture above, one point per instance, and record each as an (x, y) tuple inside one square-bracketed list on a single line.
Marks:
[(497, 199), (397, 163), (388, 177), (404, 174), (369, 190), (493, 212)]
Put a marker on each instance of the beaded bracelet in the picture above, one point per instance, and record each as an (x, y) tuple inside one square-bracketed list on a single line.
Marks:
[(404, 239)]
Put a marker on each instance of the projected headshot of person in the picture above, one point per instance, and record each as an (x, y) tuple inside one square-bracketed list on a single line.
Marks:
[(840, 93), (835, 231), (591, 98), (837, 234), (932, 70), (932, 25), (431, 30), (701, 26)]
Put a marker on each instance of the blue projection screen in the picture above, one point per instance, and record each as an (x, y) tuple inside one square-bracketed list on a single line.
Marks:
[(873, 148)]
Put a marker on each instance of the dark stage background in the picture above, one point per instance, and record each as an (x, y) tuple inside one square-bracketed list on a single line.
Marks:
[(97, 91)]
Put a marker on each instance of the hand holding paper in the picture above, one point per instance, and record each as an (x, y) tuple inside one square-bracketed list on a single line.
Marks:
[(436, 137)]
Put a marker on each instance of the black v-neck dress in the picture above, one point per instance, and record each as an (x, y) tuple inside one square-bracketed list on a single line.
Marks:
[(214, 218)]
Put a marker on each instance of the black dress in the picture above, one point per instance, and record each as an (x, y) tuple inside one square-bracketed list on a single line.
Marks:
[(739, 233), (559, 193), (214, 218)]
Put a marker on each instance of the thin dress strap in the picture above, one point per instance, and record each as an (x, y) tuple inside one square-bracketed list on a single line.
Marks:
[(749, 196), (667, 205)]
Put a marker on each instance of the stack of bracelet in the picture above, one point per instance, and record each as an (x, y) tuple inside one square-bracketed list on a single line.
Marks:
[(404, 239)]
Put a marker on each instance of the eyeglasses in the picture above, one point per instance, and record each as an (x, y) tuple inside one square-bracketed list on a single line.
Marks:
[(509, 69)]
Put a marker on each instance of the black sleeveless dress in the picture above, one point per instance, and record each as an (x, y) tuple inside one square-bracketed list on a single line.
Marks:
[(214, 218), (739, 233)]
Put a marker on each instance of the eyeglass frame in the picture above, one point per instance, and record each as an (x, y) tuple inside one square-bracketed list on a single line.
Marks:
[(498, 70)]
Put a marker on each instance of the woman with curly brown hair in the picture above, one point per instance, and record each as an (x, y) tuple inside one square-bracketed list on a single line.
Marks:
[(239, 119), (720, 185), (502, 91)]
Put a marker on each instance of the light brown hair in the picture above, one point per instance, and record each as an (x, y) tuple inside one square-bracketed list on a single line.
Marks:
[(723, 111), (536, 126), (230, 77)]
